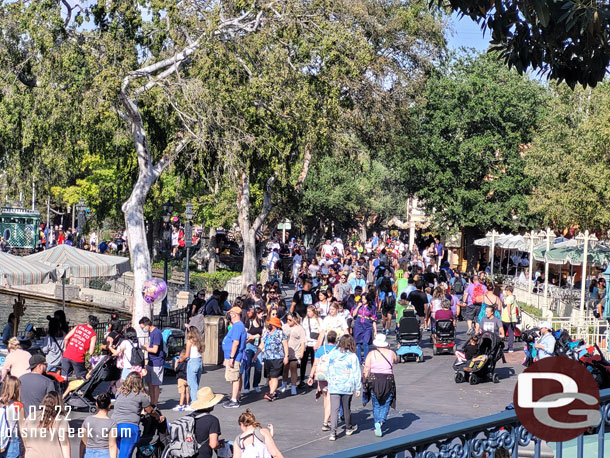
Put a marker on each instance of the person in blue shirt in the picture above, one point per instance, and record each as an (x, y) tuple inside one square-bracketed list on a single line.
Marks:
[(233, 347), (9, 328), (156, 359), (324, 350)]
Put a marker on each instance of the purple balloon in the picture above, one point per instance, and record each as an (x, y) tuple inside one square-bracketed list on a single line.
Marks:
[(154, 290)]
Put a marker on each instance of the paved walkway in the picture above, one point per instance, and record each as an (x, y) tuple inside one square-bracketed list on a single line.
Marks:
[(427, 397)]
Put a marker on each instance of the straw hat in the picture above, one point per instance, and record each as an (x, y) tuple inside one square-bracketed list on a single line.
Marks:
[(380, 341), (206, 399)]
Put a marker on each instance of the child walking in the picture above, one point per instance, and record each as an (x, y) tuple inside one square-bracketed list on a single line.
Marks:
[(183, 386)]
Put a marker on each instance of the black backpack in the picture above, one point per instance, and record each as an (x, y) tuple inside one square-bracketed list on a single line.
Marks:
[(386, 285), (137, 356), (458, 286)]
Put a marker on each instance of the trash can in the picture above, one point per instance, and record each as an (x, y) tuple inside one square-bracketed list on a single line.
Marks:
[(215, 330)]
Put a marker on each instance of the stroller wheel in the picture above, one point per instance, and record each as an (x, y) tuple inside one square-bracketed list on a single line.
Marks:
[(92, 409), (495, 378), (459, 377), (473, 379)]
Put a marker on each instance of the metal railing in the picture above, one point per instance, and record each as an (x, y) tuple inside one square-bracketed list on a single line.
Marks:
[(496, 435)]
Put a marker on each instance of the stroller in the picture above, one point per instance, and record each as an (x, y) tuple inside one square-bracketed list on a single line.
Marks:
[(445, 337), (153, 438), (409, 335), (490, 351), (81, 397)]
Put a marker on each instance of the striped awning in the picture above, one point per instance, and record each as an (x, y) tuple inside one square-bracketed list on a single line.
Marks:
[(16, 270), (81, 263)]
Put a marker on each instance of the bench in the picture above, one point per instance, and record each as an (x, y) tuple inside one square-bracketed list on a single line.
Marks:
[(178, 277), (157, 272)]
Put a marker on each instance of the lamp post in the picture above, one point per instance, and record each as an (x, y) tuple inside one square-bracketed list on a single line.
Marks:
[(80, 208), (188, 242), (165, 248), (585, 238)]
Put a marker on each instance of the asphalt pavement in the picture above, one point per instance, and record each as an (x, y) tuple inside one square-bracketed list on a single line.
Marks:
[(427, 397)]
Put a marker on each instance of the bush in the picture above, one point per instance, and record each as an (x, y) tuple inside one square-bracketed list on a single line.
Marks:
[(209, 282), (534, 311), (100, 284)]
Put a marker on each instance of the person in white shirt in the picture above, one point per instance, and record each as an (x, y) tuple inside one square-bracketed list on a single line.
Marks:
[(546, 342), (272, 258), (93, 241), (333, 322), (327, 249)]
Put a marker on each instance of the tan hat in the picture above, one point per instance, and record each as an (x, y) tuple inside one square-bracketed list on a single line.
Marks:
[(235, 310), (206, 399)]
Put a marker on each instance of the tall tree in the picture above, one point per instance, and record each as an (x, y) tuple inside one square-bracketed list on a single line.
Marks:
[(568, 160), (477, 117), (566, 39)]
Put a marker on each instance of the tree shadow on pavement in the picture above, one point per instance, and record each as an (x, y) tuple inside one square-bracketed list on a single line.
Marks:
[(364, 420)]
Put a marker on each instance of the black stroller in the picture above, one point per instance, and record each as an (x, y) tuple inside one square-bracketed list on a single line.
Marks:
[(482, 367), (82, 397), (153, 439), (409, 336)]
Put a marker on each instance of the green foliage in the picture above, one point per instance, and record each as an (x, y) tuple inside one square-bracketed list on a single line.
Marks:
[(477, 118), (566, 39), (210, 282), (568, 160), (530, 309), (100, 284)]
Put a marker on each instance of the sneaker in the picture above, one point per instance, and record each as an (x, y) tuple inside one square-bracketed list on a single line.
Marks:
[(269, 397), (230, 404), (178, 409), (325, 427), (245, 390), (188, 409), (293, 390), (351, 430), (511, 351), (378, 432), (283, 388), (332, 437), (257, 389)]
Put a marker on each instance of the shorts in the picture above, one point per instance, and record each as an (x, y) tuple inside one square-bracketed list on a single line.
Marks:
[(471, 312), (154, 375), (273, 368), (68, 366), (183, 386), (232, 374)]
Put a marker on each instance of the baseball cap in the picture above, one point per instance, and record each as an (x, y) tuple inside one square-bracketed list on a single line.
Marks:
[(545, 324), (235, 310), (36, 360)]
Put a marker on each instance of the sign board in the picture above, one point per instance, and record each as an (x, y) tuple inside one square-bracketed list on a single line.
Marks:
[(188, 235), (287, 226)]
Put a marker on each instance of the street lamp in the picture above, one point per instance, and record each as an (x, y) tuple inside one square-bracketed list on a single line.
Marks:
[(80, 208), (165, 248), (188, 242)]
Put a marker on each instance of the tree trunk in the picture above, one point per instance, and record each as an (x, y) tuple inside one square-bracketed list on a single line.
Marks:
[(250, 267), (362, 232), (471, 251), (212, 250), (138, 245)]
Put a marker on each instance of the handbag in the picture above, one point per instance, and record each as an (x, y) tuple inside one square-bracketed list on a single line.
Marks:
[(313, 335)]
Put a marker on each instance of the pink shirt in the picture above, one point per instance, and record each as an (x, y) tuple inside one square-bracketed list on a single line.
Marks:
[(379, 365), (17, 363)]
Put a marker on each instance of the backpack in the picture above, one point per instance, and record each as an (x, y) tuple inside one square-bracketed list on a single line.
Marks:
[(478, 294), (198, 321), (322, 367), (6, 431), (458, 286), (182, 442), (386, 285), (258, 449), (137, 356)]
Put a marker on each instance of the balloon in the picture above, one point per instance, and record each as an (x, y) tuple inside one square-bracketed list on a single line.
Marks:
[(154, 290)]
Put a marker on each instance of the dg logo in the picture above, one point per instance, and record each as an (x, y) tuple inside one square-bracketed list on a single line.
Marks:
[(557, 399)]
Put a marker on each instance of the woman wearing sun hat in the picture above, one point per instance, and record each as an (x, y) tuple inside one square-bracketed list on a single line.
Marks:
[(379, 380), (207, 426), (274, 347)]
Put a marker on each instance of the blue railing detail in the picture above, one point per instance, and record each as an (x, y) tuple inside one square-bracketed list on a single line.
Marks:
[(499, 435)]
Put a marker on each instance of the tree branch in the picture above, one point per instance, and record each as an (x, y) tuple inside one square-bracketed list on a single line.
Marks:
[(305, 170), (262, 216)]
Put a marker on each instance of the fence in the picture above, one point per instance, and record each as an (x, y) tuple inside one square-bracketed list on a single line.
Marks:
[(496, 435)]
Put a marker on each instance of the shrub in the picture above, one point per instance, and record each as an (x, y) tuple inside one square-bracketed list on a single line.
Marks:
[(100, 284), (209, 282)]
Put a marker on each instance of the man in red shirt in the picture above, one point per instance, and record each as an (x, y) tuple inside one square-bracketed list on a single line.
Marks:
[(78, 342)]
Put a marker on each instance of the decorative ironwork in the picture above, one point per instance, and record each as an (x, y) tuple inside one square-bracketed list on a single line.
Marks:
[(482, 437)]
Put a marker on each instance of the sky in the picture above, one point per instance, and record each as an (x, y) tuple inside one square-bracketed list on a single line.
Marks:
[(467, 33)]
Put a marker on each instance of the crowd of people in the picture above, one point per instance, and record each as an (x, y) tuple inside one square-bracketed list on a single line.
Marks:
[(334, 333)]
